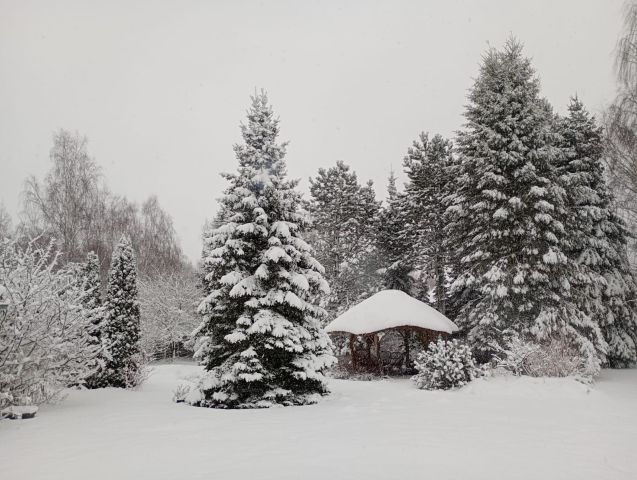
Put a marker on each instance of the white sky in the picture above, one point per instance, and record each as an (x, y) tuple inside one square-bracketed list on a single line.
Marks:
[(159, 88)]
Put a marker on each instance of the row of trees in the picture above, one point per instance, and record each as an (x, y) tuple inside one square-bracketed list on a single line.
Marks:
[(73, 209), (511, 230), (58, 331), (73, 205), (512, 227), (621, 122)]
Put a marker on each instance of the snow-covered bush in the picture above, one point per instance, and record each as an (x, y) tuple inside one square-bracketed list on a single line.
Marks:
[(138, 371), (516, 354), (446, 364), (179, 394), (553, 358), (45, 344)]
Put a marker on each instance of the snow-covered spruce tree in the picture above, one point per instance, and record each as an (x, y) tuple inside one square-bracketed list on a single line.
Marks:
[(427, 165), (603, 286), (261, 340), (393, 247), (44, 343), (345, 216), (395, 250), (507, 216), (120, 325), (90, 286), (91, 296)]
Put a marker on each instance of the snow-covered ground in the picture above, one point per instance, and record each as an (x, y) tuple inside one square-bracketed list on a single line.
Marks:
[(501, 428)]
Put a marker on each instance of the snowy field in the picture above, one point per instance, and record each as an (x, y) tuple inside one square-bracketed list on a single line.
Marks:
[(502, 428)]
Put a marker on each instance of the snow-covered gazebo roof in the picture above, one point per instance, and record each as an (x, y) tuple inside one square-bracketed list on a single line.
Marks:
[(390, 309)]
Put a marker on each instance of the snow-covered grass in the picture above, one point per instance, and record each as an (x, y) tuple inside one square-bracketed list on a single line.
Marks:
[(500, 428)]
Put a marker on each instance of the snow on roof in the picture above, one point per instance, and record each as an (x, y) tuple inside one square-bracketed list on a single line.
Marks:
[(390, 309)]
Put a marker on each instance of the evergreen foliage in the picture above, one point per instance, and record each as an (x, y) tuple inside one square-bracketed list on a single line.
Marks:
[(260, 339), (345, 214), (507, 217), (120, 326), (596, 241), (91, 297), (446, 364), (427, 193), (393, 246), (88, 275)]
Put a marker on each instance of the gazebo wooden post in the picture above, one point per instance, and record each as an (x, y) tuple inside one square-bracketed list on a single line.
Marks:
[(369, 340), (406, 332), (366, 321), (377, 348), (352, 350)]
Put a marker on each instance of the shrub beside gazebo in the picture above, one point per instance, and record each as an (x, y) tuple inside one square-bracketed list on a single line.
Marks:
[(390, 310)]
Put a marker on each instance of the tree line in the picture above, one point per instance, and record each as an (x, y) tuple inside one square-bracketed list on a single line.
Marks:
[(72, 212), (511, 229), (73, 205), (510, 226)]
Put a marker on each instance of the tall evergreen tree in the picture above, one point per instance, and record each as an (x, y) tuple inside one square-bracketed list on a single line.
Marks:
[(393, 246), (508, 214), (604, 286), (260, 339), (120, 326), (345, 215), (427, 193), (396, 251), (90, 286), (91, 298)]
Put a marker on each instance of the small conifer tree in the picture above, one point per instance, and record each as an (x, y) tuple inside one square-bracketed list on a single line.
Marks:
[(120, 326)]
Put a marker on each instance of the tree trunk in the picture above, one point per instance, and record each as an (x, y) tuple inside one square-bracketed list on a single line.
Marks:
[(439, 273)]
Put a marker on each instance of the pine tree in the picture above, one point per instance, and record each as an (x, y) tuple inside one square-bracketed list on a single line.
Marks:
[(260, 339), (508, 213), (120, 326), (345, 215), (427, 193), (603, 284)]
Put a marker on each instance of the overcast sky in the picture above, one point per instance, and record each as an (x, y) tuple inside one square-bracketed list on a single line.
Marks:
[(159, 88)]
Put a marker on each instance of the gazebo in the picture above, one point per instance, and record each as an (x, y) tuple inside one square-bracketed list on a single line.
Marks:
[(390, 310)]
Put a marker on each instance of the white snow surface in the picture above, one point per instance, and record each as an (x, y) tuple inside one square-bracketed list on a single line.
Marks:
[(498, 428), (390, 309)]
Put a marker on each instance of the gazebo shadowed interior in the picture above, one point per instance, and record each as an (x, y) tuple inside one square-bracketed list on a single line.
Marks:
[(389, 310)]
